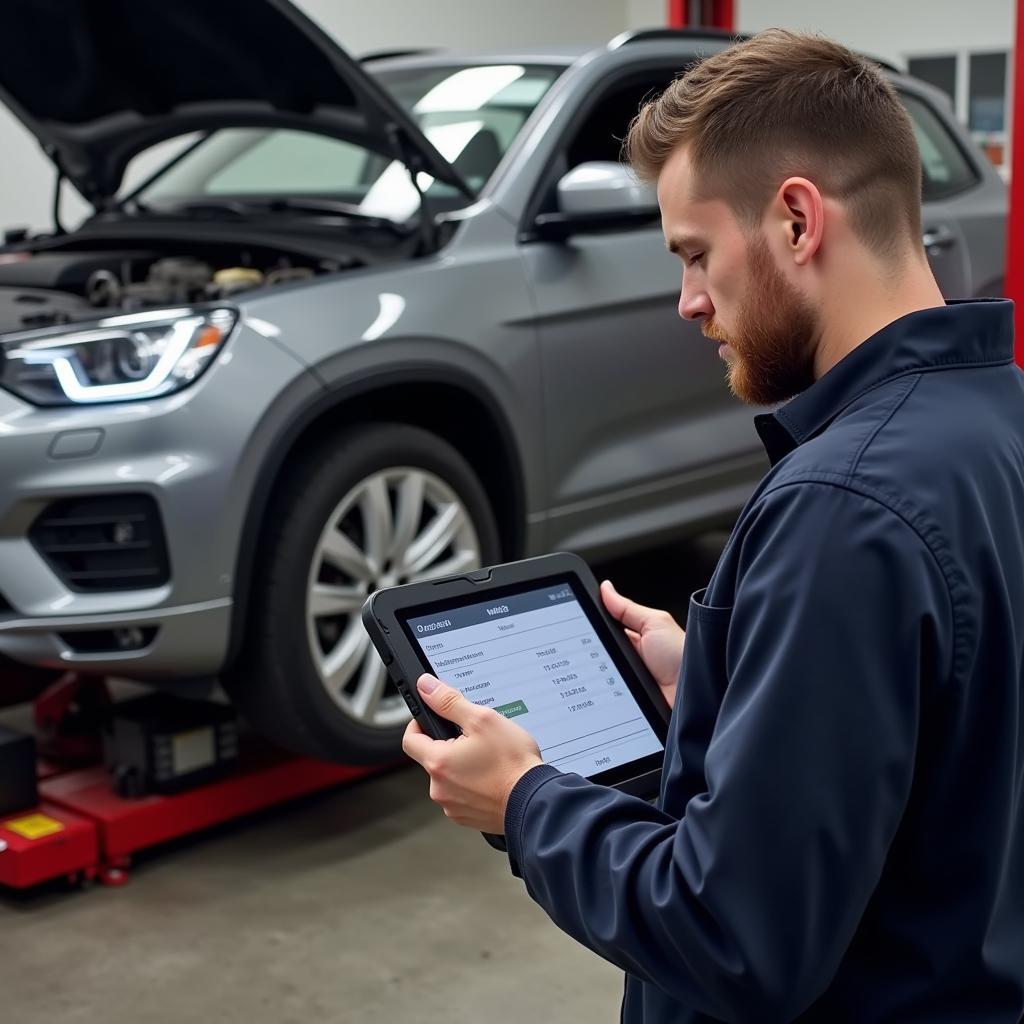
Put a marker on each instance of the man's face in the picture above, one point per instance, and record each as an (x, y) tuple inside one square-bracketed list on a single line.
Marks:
[(732, 284)]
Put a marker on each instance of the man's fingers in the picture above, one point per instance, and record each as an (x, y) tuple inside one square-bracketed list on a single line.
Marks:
[(629, 613), (416, 743), (448, 702)]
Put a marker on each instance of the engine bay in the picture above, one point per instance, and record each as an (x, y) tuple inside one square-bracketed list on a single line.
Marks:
[(56, 285)]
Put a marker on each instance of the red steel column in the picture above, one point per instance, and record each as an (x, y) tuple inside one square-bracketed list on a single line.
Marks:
[(714, 14), (1015, 221)]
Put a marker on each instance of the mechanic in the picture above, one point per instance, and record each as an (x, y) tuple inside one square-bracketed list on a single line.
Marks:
[(840, 831)]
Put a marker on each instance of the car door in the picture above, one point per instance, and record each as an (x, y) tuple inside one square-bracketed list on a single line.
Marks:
[(643, 436), (964, 205)]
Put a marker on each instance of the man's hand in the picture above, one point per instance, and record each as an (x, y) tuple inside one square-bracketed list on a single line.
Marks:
[(655, 635), (472, 776)]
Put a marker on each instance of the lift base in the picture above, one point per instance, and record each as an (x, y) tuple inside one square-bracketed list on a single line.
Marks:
[(82, 830)]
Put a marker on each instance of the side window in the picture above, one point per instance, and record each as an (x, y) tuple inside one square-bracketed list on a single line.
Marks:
[(945, 169), (600, 136)]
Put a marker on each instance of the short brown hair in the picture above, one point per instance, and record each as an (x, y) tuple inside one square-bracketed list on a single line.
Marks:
[(785, 103)]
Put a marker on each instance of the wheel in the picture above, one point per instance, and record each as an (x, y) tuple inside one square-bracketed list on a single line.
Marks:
[(372, 507)]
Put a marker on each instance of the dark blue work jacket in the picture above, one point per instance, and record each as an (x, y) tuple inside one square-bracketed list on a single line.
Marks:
[(840, 832)]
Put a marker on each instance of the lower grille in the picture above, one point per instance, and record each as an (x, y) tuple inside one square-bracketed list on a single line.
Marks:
[(109, 641), (114, 542)]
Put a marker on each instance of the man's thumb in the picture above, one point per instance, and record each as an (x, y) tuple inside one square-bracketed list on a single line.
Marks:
[(445, 700)]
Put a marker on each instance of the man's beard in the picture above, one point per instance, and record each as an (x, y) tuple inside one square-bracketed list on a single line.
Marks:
[(774, 339)]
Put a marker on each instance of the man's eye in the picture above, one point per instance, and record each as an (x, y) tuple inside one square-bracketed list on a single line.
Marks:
[(694, 259)]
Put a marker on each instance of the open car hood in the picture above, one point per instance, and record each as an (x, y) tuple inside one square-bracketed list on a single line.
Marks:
[(98, 81)]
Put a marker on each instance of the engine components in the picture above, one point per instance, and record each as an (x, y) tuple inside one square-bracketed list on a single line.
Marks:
[(46, 288), (289, 275), (24, 309), (171, 280), (71, 270), (236, 279)]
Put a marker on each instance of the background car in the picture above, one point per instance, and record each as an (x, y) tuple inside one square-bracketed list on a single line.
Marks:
[(360, 323)]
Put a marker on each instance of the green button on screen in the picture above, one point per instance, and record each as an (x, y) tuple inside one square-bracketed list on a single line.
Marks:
[(517, 707)]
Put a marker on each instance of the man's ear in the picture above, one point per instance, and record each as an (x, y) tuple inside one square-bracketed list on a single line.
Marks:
[(800, 212)]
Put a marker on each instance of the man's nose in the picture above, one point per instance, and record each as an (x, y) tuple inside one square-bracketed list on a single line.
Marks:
[(695, 304)]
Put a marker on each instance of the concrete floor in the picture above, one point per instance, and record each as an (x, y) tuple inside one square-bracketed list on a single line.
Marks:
[(361, 905)]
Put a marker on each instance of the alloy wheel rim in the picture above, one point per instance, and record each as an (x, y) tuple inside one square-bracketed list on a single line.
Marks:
[(399, 525)]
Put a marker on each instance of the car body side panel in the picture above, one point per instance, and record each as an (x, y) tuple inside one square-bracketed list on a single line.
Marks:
[(976, 216), (467, 309), (950, 260), (640, 417), (980, 214)]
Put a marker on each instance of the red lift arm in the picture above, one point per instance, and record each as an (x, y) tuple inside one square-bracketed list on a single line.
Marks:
[(1015, 221), (701, 14)]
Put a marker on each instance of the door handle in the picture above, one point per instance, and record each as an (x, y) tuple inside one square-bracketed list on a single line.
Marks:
[(937, 239)]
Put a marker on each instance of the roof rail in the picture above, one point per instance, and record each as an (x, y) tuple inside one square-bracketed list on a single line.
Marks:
[(390, 54), (646, 35), (883, 64)]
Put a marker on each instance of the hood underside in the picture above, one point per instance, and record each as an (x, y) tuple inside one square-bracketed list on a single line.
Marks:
[(98, 81)]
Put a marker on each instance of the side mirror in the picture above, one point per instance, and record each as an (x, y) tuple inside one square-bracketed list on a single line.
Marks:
[(598, 196), (604, 187)]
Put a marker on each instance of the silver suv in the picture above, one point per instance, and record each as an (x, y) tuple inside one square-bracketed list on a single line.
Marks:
[(360, 323)]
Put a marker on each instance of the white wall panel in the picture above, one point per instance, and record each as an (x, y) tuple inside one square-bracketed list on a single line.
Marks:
[(887, 29), (491, 24), (646, 13)]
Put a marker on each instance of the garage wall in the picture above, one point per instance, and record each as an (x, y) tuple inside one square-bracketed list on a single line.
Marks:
[(646, 13), (453, 24), (26, 176), (892, 31)]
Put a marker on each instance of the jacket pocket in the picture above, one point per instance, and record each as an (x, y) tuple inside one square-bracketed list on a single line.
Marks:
[(706, 612), (702, 682), (704, 674)]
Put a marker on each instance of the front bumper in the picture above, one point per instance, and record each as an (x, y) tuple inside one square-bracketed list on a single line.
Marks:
[(187, 641), (193, 453)]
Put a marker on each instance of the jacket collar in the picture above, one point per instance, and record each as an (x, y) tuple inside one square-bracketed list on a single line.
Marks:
[(962, 333)]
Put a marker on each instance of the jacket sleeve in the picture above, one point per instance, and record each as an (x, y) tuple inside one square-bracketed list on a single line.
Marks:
[(743, 908)]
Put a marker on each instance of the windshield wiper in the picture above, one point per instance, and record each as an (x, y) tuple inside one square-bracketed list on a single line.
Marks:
[(206, 208), (217, 207), (247, 209), (330, 207)]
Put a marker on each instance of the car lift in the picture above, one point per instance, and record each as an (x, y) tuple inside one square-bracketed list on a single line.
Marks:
[(82, 831)]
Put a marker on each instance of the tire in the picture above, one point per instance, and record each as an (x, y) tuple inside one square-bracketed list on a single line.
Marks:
[(368, 507)]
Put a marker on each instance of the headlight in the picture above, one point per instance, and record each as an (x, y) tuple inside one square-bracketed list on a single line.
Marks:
[(141, 355)]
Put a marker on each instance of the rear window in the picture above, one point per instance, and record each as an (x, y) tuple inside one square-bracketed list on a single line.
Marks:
[(945, 168)]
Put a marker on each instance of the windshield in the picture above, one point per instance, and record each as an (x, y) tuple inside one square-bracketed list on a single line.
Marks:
[(470, 114)]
